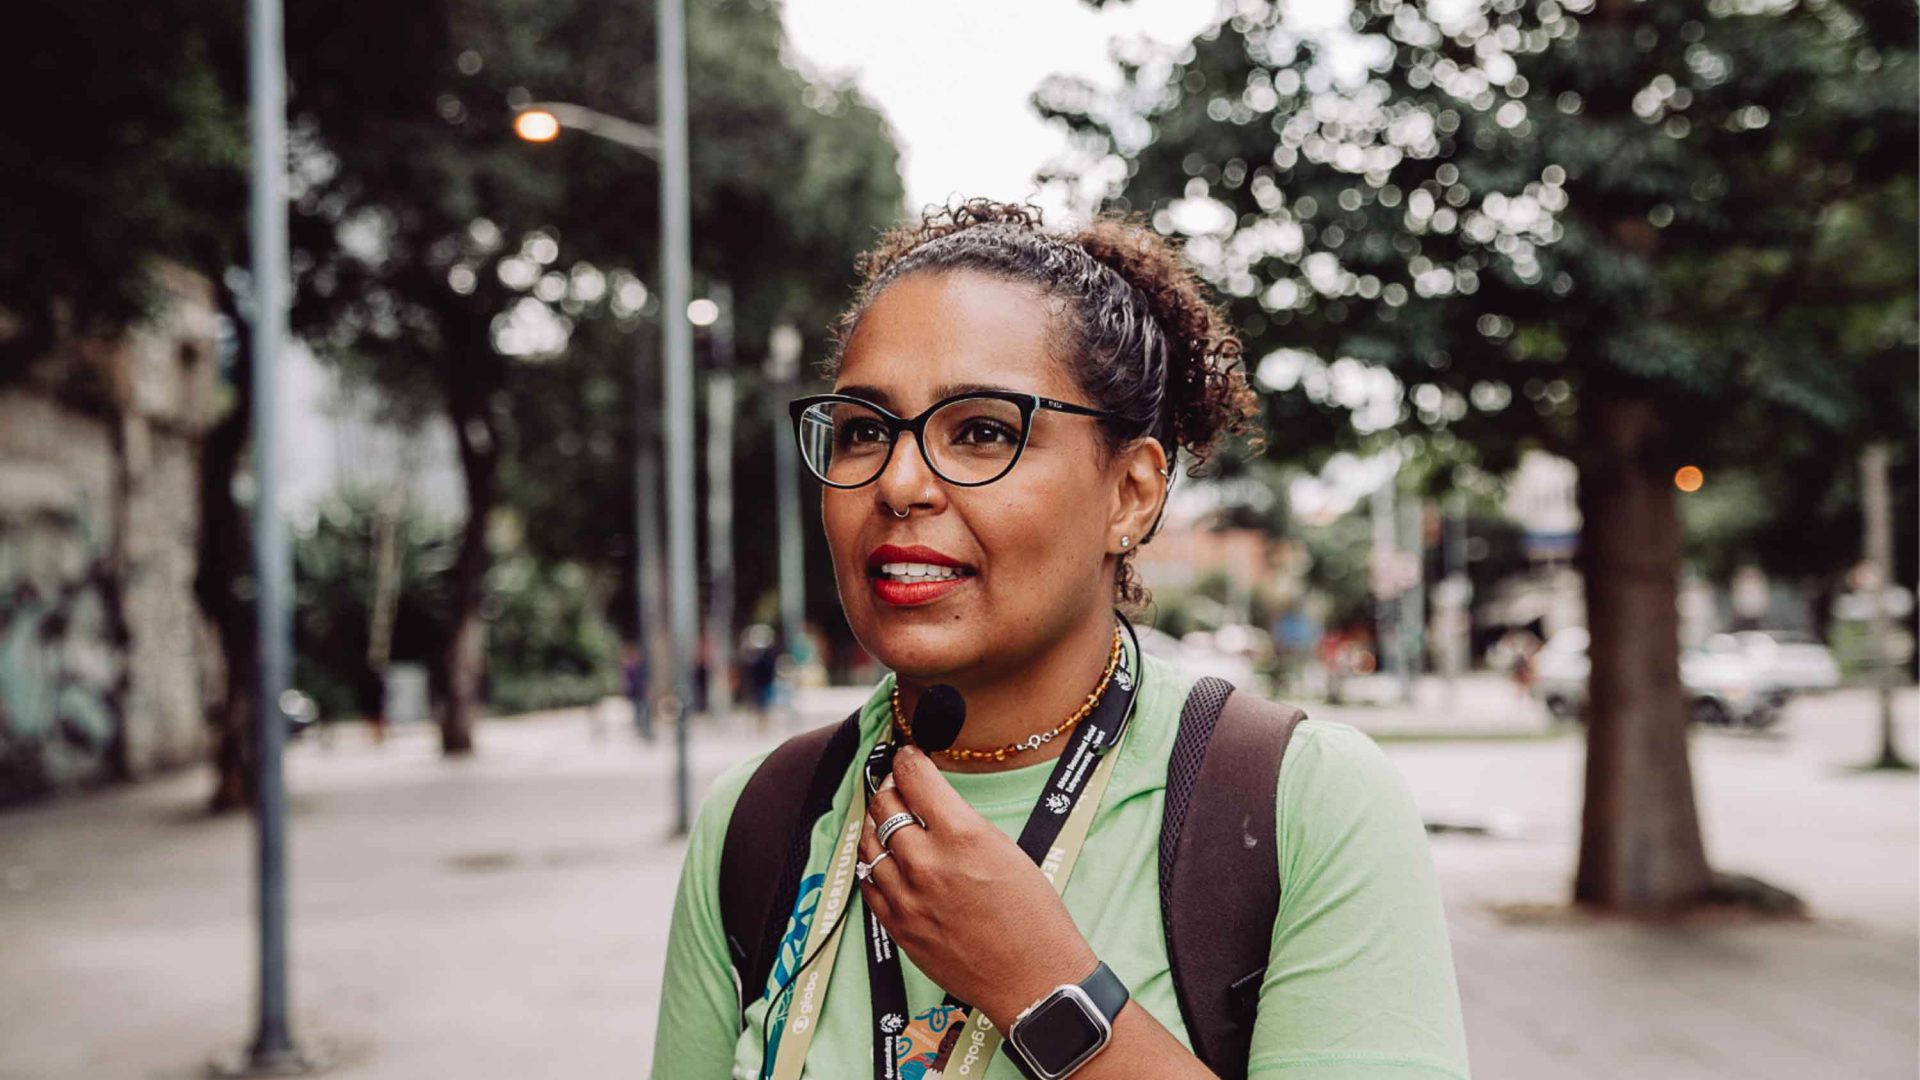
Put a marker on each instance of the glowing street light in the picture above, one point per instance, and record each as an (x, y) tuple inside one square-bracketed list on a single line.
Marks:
[(1689, 478), (703, 312), (541, 121), (536, 125)]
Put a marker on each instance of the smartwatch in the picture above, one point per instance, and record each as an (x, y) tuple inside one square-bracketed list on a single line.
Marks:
[(1057, 1034)]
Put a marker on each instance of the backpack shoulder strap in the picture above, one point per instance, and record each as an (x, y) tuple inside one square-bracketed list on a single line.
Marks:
[(1219, 865), (765, 851)]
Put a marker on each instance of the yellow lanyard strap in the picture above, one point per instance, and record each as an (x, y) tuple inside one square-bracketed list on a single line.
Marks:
[(810, 996)]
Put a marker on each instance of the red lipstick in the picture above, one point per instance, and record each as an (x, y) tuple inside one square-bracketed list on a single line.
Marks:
[(913, 590)]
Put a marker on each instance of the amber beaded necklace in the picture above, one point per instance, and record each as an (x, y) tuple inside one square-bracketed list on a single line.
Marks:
[(1031, 742)]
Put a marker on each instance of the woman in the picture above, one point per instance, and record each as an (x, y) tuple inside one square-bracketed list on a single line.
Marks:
[(988, 552)]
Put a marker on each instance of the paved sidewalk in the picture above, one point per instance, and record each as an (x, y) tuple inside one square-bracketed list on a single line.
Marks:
[(1560, 997), (504, 917)]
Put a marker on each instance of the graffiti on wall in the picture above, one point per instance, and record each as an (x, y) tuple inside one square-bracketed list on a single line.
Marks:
[(62, 641)]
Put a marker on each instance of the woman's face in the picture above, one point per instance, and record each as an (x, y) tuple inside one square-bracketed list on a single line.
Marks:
[(1033, 544)]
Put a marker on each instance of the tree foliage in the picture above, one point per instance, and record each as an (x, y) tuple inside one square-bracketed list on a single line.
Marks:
[(548, 642), (115, 153), (1510, 205), (420, 210), (503, 283), (1640, 235), (437, 257)]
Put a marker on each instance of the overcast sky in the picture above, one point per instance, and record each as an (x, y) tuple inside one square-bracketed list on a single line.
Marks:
[(953, 76)]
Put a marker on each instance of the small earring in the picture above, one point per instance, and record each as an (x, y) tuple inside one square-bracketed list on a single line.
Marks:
[(1126, 541)]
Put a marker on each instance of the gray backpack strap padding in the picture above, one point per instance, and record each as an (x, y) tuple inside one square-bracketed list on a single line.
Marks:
[(765, 851), (1219, 864)]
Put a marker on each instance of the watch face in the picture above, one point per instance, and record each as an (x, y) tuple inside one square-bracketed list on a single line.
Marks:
[(1060, 1033)]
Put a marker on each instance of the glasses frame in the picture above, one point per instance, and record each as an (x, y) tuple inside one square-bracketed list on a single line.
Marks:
[(1027, 403)]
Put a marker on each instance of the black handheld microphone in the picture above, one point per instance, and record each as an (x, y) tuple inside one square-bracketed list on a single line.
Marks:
[(937, 719)]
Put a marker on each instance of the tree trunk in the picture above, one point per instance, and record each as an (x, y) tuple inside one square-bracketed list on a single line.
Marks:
[(463, 657), (1640, 846), (225, 558)]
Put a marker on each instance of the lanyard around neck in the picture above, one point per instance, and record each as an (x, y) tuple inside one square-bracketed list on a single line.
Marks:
[(1055, 831)]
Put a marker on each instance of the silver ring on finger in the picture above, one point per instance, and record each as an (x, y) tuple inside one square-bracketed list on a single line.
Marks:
[(894, 824), (864, 870)]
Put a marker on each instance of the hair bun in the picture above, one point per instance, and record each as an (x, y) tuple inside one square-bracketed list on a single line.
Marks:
[(1207, 395)]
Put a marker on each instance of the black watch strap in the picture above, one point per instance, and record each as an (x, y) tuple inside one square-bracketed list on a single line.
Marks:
[(1106, 990), (1107, 993)]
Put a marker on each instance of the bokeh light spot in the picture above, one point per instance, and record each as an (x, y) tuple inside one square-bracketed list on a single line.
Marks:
[(536, 125)]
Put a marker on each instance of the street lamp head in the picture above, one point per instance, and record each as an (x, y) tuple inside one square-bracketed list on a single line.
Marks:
[(536, 125), (703, 312)]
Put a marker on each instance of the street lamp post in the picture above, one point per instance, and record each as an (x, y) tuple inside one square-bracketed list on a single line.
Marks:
[(272, 1051), (1386, 608), (675, 258), (1413, 607), (542, 122), (783, 369), (646, 528), (1455, 594), (716, 313)]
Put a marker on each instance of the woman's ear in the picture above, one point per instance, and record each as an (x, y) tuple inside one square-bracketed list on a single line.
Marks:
[(1140, 487)]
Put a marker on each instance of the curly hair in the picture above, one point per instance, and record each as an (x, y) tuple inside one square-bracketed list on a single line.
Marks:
[(1141, 332)]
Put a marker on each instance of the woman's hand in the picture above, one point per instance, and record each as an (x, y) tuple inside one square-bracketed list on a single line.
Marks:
[(961, 898)]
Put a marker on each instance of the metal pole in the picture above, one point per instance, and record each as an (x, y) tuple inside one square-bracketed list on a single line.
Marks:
[(720, 405), (677, 339), (1386, 620), (793, 582), (783, 357), (1458, 590), (646, 482), (1413, 620), (271, 286), (272, 1048), (1878, 522)]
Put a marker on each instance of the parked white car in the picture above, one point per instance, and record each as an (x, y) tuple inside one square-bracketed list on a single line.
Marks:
[(1724, 689), (1730, 690), (1790, 659)]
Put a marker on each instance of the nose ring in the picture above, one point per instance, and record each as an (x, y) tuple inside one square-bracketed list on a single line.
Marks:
[(899, 513)]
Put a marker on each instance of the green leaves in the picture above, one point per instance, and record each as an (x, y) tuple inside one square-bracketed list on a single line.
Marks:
[(1648, 196), (114, 153)]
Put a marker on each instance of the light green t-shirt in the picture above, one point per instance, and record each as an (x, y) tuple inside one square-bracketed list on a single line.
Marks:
[(1359, 985)]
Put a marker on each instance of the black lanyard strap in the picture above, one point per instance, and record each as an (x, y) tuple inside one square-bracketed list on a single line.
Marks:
[(1091, 740)]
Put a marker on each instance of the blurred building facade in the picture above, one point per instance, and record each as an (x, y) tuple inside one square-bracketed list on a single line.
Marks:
[(1185, 552), (1542, 497), (103, 659)]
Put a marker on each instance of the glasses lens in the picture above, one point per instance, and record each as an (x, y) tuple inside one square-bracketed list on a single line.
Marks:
[(974, 440), (844, 443)]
